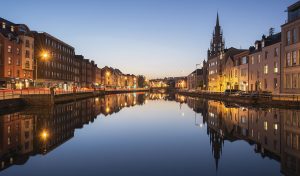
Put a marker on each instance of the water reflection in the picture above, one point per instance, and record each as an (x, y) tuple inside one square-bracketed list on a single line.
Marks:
[(274, 133), (40, 130)]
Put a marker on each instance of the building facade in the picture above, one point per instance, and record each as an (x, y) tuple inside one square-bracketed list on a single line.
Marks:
[(16, 55), (290, 67), (55, 62), (236, 72), (264, 64)]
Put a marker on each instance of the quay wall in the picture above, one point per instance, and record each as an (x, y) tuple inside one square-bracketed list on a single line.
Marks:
[(247, 101)]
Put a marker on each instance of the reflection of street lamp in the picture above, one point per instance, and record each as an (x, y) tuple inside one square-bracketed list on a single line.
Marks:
[(44, 135), (43, 55)]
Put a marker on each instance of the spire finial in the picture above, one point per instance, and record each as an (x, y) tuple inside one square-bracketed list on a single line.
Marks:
[(217, 23)]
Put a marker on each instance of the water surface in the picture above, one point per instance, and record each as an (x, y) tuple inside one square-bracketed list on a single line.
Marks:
[(149, 134)]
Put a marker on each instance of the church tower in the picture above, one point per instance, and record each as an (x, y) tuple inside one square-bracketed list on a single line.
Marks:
[(217, 43)]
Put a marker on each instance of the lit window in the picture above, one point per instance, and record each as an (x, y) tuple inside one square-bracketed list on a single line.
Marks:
[(266, 69), (9, 60), (3, 25), (265, 125), (275, 67), (9, 48), (12, 29), (275, 126)]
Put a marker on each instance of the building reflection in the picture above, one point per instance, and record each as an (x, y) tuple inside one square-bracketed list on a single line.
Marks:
[(35, 131), (274, 133)]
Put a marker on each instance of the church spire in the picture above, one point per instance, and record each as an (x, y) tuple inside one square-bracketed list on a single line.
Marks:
[(217, 44), (217, 23)]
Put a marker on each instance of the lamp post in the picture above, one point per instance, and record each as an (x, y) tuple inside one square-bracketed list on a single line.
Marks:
[(195, 81), (44, 55)]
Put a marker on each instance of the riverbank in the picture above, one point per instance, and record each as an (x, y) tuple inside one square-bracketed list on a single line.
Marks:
[(47, 99), (276, 101)]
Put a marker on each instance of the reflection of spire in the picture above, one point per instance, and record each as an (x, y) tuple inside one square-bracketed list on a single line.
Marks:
[(216, 144)]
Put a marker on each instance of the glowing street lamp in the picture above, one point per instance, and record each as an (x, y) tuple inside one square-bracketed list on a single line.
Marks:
[(44, 55)]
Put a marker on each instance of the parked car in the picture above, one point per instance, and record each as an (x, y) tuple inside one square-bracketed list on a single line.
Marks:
[(233, 92), (266, 94), (263, 94), (244, 94), (3, 88)]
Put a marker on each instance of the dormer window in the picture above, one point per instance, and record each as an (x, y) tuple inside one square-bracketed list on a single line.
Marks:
[(12, 29), (3, 25), (263, 44), (256, 46)]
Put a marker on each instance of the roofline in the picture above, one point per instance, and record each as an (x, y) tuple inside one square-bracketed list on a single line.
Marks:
[(49, 35)]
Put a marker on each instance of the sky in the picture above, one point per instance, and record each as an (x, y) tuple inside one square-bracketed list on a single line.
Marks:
[(155, 38)]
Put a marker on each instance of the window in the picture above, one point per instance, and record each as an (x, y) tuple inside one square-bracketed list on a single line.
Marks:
[(294, 57), (12, 29), (9, 72), (266, 83), (265, 125), (266, 69), (244, 60), (275, 67), (18, 62), (18, 51), (288, 81), (27, 54), (276, 52), (288, 39), (8, 141), (252, 60), (18, 73), (294, 80), (27, 43), (275, 83), (8, 129), (9, 48), (294, 35), (288, 59), (259, 58), (3, 25), (9, 61), (244, 72), (27, 65), (266, 54)]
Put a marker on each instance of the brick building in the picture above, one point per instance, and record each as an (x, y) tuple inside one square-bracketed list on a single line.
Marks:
[(57, 69), (16, 55)]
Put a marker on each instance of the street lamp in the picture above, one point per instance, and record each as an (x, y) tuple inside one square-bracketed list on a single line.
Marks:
[(195, 76), (44, 55)]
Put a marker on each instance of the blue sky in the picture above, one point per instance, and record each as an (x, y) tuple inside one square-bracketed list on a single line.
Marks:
[(156, 38)]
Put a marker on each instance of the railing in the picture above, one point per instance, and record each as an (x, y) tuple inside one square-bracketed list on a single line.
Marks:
[(12, 94), (273, 97)]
